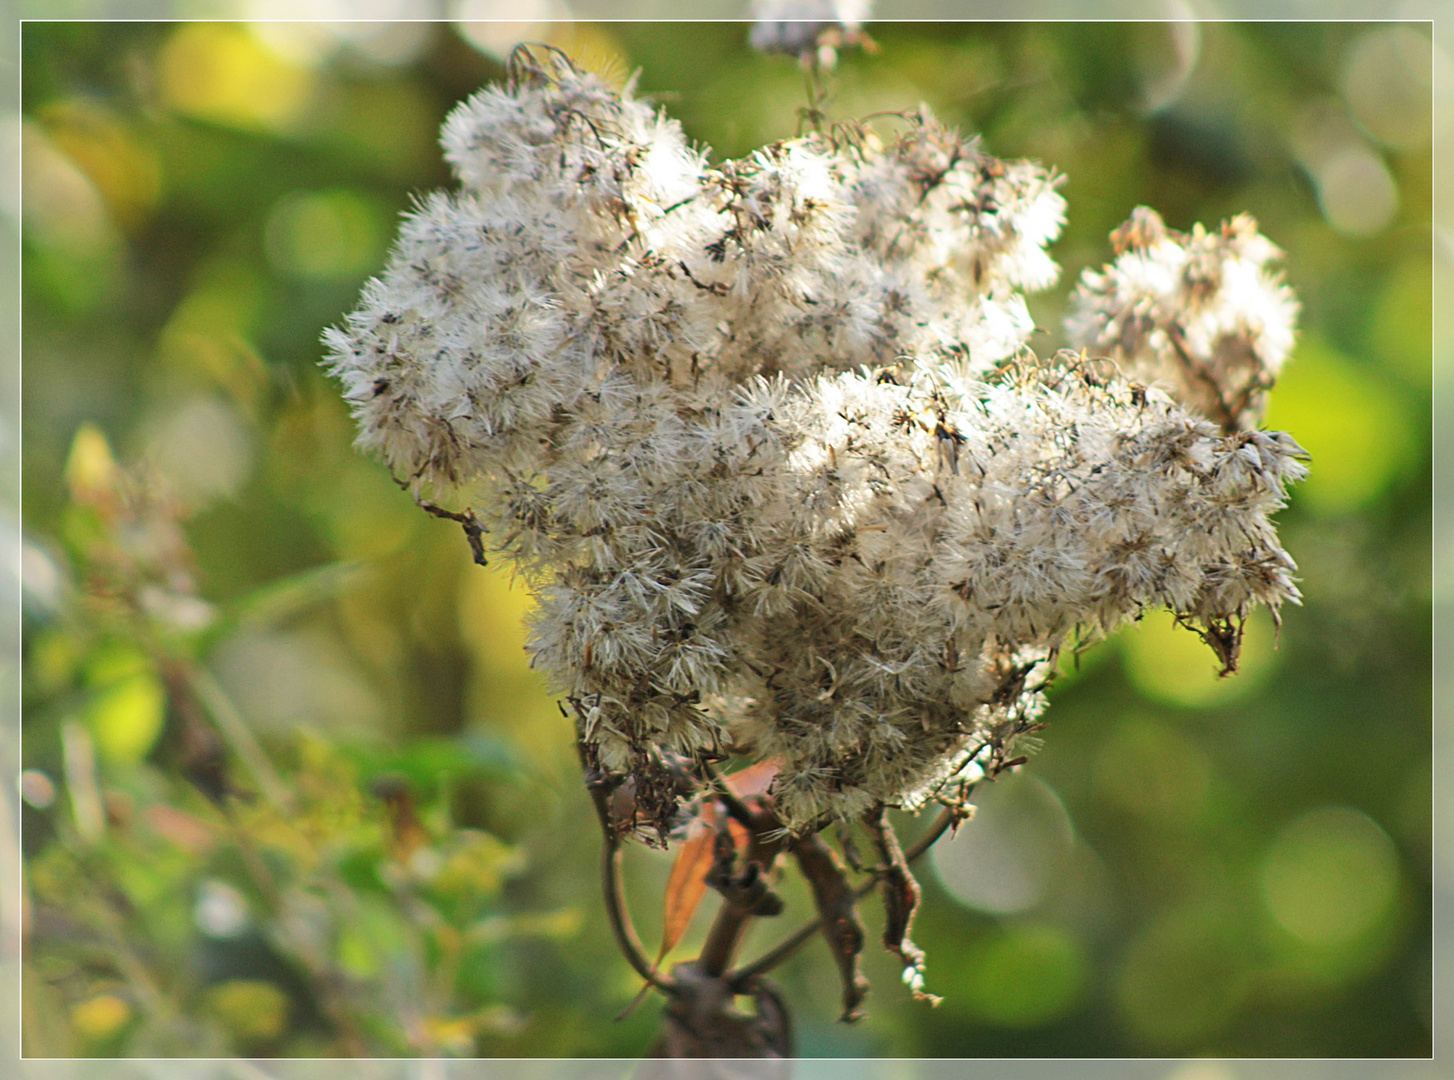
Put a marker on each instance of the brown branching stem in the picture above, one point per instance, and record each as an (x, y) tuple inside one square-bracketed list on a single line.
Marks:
[(700, 1019), (838, 912), (763, 848), (469, 521), (947, 818)]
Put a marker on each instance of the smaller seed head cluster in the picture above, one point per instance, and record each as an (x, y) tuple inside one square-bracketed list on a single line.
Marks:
[(1205, 315), (766, 440)]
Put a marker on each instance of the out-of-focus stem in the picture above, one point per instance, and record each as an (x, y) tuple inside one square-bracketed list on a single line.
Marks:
[(87, 808), (234, 728), (723, 937)]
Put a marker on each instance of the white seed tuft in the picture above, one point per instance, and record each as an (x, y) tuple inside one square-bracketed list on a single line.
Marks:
[(1204, 315)]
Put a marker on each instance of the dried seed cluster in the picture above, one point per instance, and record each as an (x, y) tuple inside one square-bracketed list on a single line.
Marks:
[(766, 440), (1204, 315)]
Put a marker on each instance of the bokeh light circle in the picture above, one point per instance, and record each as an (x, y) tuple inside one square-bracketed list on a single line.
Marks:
[(1009, 857), (1330, 876)]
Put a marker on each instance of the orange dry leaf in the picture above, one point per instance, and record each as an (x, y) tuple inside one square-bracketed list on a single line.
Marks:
[(688, 881), (753, 780)]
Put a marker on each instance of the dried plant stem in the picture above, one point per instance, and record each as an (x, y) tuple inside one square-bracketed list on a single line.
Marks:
[(616, 910), (734, 915), (723, 938), (945, 820)]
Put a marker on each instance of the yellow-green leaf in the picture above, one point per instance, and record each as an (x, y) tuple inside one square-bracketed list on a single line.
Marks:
[(125, 718)]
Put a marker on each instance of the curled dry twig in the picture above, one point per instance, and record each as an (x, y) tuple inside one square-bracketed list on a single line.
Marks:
[(469, 521), (901, 901), (948, 818), (600, 787)]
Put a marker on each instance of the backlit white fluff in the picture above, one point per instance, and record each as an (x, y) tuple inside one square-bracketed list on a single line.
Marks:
[(1205, 315), (767, 442)]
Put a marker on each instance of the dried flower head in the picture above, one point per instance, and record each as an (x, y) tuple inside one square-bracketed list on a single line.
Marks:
[(1203, 315), (812, 30), (767, 442)]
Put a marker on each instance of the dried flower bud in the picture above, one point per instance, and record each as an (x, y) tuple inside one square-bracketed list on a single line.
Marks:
[(812, 30)]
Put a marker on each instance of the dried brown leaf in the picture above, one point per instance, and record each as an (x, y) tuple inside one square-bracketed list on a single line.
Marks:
[(687, 883)]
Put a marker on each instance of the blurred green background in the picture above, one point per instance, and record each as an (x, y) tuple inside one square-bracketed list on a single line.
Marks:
[(384, 848)]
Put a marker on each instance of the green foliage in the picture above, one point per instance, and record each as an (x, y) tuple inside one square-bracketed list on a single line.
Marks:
[(189, 895)]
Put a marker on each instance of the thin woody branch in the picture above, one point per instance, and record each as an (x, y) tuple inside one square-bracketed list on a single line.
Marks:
[(617, 911), (838, 917), (744, 894), (474, 528)]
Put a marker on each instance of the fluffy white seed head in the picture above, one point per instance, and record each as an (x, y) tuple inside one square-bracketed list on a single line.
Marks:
[(812, 30), (1205, 315), (766, 440)]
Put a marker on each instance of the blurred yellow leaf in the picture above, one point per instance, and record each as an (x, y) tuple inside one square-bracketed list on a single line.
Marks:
[(476, 865), (493, 611), (251, 1009), (78, 253), (124, 170), (1401, 322), (126, 718), (53, 658), (91, 470), (1355, 424), (221, 72), (453, 1035), (1170, 663), (564, 923), (356, 954), (97, 1019), (112, 661)]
